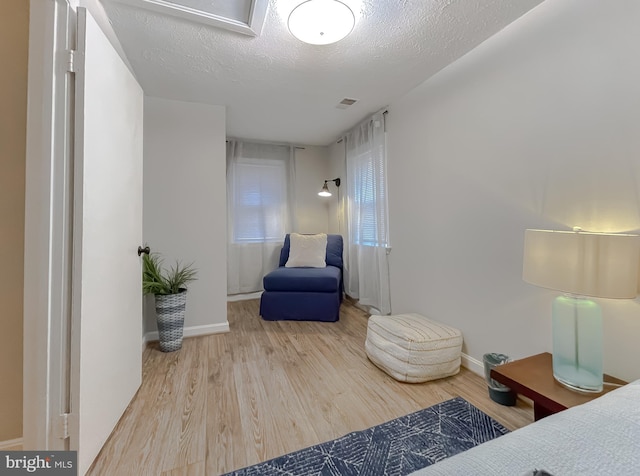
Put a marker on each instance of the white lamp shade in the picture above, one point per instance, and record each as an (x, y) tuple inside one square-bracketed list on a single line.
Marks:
[(588, 264), (321, 22)]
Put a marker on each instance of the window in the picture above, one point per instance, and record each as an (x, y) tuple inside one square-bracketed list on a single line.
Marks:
[(367, 273), (259, 192), (368, 208), (259, 200)]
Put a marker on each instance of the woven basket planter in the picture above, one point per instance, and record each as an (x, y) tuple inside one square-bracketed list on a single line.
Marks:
[(170, 318)]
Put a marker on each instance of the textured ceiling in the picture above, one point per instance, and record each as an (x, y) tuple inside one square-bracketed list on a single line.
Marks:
[(278, 89)]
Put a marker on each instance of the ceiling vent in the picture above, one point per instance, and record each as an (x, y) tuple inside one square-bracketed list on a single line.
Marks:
[(345, 103)]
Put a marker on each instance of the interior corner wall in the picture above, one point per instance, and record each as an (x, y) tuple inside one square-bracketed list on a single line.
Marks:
[(538, 127), (338, 168), (184, 202), (311, 210), (14, 50)]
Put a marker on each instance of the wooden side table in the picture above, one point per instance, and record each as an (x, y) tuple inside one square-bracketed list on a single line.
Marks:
[(532, 377)]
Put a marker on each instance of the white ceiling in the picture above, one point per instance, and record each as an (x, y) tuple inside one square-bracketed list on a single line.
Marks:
[(278, 89)]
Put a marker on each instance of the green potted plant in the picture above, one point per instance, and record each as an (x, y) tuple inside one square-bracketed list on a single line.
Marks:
[(169, 287)]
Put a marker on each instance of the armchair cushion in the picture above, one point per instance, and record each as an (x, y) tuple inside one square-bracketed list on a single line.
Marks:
[(318, 280)]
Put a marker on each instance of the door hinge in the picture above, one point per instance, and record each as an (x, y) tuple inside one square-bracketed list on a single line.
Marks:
[(70, 61), (62, 426)]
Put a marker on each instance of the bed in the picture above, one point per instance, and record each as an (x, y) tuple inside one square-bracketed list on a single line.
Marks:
[(601, 437)]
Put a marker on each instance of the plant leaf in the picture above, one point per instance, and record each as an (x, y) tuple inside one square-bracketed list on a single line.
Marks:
[(156, 280)]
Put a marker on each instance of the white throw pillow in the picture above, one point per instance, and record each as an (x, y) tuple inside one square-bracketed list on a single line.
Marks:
[(307, 251)]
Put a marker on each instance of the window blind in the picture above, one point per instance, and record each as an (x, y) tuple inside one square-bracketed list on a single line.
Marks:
[(368, 182), (259, 200)]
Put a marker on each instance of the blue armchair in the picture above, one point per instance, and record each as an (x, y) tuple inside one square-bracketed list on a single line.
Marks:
[(305, 294)]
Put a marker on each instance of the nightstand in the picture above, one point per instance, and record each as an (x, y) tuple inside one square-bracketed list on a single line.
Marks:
[(532, 377)]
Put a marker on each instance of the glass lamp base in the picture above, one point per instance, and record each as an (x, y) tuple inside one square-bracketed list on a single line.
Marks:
[(577, 343), (579, 380)]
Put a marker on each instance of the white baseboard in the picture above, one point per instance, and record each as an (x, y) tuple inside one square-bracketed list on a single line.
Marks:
[(472, 364), (5, 445), (192, 331), (468, 362)]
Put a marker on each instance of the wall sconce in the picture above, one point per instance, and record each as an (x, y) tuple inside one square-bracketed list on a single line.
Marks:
[(325, 188)]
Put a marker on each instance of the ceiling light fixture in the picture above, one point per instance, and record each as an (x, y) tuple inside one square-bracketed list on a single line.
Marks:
[(321, 22)]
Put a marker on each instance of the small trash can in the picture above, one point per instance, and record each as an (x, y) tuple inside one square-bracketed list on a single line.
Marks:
[(499, 393)]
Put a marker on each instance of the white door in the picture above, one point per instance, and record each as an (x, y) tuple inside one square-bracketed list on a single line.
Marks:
[(106, 323)]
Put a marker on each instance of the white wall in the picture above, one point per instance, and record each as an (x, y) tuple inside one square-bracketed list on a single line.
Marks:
[(311, 210), (539, 127), (185, 203)]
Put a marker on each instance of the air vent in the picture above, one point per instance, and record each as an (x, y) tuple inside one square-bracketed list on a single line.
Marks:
[(346, 102)]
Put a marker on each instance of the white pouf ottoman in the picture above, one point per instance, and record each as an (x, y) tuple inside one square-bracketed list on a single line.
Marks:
[(412, 348)]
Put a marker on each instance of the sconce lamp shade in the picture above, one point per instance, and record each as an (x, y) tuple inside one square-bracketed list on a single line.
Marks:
[(325, 190), (321, 22), (586, 264)]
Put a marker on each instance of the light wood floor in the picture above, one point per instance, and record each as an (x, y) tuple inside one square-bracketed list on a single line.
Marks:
[(265, 389)]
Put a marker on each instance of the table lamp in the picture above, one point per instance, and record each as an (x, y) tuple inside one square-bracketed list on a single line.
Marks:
[(580, 264)]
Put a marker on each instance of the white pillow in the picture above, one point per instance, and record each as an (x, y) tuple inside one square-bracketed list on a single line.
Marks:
[(307, 251)]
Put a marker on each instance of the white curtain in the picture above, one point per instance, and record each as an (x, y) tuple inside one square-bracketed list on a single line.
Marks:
[(367, 267), (260, 185)]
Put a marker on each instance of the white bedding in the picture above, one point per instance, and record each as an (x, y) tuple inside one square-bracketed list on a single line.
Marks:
[(601, 437)]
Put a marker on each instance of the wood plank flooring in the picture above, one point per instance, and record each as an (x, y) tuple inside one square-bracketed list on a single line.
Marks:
[(264, 389)]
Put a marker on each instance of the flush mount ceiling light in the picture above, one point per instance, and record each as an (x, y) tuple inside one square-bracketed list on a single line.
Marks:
[(321, 22)]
